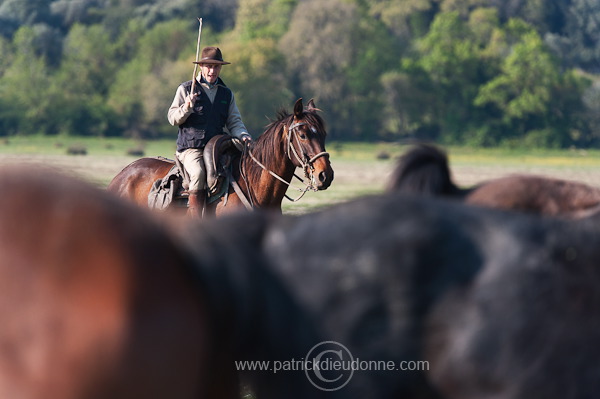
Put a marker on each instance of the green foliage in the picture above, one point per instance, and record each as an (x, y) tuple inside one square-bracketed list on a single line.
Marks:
[(257, 74), (23, 85), (263, 18), (24, 12), (492, 84), (578, 42), (478, 72), (318, 46), (529, 93), (405, 18), (335, 52), (68, 12), (448, 59), (145, 85), (409, 106)]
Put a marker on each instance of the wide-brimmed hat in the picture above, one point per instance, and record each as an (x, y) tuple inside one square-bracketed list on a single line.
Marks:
[(211, 55)]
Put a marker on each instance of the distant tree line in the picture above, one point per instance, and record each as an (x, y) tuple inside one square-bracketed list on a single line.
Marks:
[(475, 72)]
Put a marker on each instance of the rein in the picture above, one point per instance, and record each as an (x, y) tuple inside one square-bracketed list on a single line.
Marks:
[(306, 163)]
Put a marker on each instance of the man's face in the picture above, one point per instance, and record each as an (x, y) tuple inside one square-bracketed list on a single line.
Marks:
[(210, 72)]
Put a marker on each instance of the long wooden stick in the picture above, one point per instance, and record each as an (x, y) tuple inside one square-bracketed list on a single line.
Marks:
[(197, 55)]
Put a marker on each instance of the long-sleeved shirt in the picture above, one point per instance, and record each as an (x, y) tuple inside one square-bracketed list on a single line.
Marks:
[(179, 110)]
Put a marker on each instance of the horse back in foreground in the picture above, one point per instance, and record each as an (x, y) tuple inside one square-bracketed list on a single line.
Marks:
[(493, 302)]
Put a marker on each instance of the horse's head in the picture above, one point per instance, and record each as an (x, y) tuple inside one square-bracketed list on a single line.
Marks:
[(306, 144)]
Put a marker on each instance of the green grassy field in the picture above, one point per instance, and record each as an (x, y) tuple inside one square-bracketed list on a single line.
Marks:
[(360, 168)]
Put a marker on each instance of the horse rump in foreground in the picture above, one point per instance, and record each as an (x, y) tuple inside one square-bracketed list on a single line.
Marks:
[(424, 170), (101, 301), (96, 300), (262, 173)]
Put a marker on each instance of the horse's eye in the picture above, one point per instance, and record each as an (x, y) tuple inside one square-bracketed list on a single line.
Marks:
[(302, 136)]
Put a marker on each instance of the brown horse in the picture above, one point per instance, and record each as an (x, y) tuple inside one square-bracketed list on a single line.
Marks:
[(100, 300), (94, 296), (424, 170), (292, 141)]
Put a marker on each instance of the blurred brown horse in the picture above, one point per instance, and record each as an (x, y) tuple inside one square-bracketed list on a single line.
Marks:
[(94, 296), (424, 170), (292, 141), (100, 300)]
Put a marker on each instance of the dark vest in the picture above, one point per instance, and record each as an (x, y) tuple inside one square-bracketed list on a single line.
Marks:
[(207, 119)]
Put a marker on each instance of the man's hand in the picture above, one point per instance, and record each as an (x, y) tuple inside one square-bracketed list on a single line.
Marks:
[(190, 100)]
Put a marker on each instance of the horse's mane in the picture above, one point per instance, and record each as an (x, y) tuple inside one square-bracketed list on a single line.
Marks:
[(270, 142), (423, 170)]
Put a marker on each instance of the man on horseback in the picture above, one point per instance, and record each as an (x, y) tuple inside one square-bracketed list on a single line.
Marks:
[(200, 115)]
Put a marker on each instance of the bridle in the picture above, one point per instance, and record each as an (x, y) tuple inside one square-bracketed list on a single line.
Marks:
[(306, 162)]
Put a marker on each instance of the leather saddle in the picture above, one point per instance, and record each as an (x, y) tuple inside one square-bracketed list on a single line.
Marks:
[(218, 155)]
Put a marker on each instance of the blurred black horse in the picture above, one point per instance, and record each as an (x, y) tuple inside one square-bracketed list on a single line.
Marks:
[(499, 304)]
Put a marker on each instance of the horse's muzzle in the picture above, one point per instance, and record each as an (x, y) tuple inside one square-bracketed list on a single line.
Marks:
[(323, 177)]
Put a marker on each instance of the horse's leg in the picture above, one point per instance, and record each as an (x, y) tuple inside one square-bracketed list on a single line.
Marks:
[(221, 208)]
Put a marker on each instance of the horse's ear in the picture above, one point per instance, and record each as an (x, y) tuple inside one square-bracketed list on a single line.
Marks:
[(298, 108), (311, 107)]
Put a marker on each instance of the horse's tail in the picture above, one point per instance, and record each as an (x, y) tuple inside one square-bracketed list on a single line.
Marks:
[(423, 170)]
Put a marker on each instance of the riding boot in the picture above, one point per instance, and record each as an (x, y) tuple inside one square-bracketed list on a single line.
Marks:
[(196, 204)]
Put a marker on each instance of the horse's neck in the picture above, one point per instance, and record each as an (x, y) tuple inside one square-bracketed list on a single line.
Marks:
[(268, 190)]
